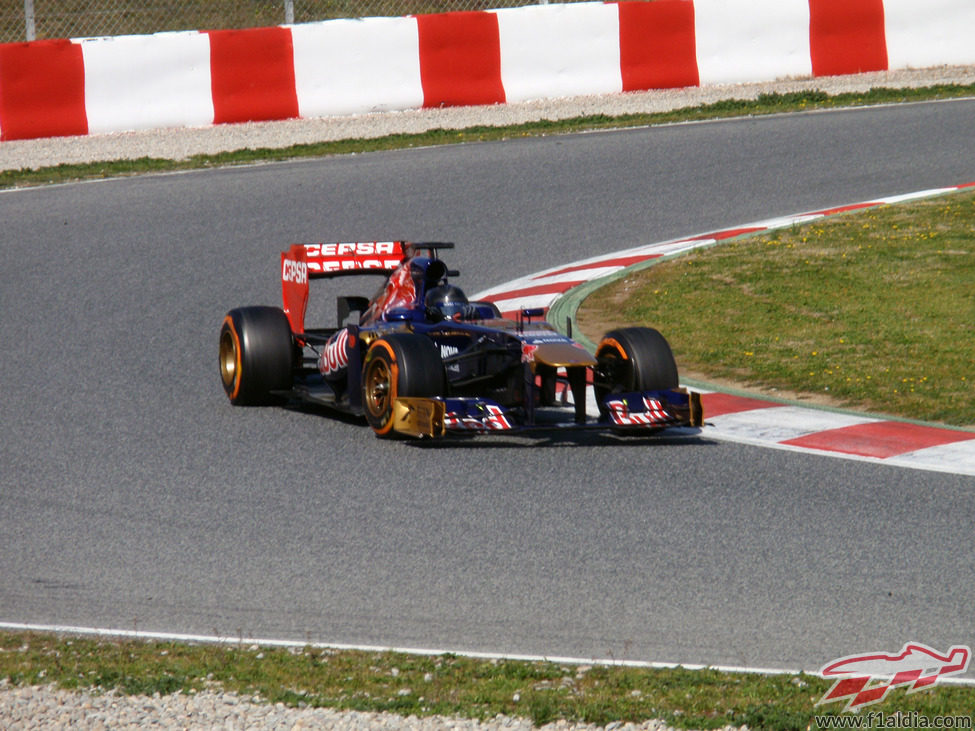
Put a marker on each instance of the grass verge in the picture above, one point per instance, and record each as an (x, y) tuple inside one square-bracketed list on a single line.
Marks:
[(765, 104), (447, 684), (871, 311)]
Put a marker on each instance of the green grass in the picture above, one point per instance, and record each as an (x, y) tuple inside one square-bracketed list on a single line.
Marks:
[(444, 684), (871, 311), (765, 104)]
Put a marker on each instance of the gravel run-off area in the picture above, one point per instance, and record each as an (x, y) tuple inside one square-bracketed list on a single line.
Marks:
[(46, 707)]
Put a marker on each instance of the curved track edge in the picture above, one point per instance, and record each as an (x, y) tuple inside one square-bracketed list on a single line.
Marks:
[(738, 415)]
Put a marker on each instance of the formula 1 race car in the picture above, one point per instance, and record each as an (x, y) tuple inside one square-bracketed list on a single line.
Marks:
[(420, 360)]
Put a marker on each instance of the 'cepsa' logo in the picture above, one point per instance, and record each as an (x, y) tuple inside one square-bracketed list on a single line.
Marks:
[(294, 271), (362, 248), (331, 258)]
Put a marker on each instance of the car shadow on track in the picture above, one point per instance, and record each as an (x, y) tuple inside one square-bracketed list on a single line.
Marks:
[(563, 438), (536, 438)]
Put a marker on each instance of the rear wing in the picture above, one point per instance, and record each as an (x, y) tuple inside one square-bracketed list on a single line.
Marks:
[(302, 262)]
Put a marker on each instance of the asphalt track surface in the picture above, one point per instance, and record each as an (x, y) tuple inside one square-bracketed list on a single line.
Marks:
[(133, 496)]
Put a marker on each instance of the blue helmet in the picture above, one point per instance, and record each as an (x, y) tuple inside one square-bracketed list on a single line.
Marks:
[(446, 299)]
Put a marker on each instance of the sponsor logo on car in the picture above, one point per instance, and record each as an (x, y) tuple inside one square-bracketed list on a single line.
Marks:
[(326, 258), (361, 248), (487, 417), (294, 271), (544, 336), (335, 356), (650, 411)]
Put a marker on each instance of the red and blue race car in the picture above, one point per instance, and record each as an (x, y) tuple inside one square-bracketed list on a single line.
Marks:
[(420, 360)]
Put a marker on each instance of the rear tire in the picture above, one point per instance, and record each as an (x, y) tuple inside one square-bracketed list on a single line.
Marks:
[(633, 359), (256, 354), (399, 364)]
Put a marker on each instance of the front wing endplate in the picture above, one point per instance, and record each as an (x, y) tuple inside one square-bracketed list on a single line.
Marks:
[(418, 417)]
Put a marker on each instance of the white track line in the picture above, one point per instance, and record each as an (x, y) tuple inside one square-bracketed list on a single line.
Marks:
[(265, 642)]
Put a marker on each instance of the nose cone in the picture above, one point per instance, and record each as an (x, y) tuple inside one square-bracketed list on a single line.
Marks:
[(563, 355)]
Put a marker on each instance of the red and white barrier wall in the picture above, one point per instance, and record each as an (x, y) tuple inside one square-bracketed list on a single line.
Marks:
[(99, 85)]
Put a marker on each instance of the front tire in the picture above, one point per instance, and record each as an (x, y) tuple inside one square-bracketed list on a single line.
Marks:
[(399, 364), (256, 354), (633, 359)]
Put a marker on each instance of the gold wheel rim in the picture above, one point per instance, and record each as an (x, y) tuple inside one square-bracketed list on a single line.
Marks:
[(228, 359), (377, 388)]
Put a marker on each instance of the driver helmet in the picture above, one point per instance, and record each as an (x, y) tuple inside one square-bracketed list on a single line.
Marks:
[(447, 299)]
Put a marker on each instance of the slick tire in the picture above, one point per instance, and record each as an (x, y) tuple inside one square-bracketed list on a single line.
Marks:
[(256, 355), (400, 364), (633, 359)]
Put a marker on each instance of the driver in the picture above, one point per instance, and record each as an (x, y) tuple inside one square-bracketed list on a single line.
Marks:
[(449, 302)]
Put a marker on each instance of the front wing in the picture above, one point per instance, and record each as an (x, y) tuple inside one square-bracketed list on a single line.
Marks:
[(636, 412)]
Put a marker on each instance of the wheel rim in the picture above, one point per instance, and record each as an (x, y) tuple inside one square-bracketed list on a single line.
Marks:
[(228, 359), (618, 376), (612, 371), (377, 388)]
